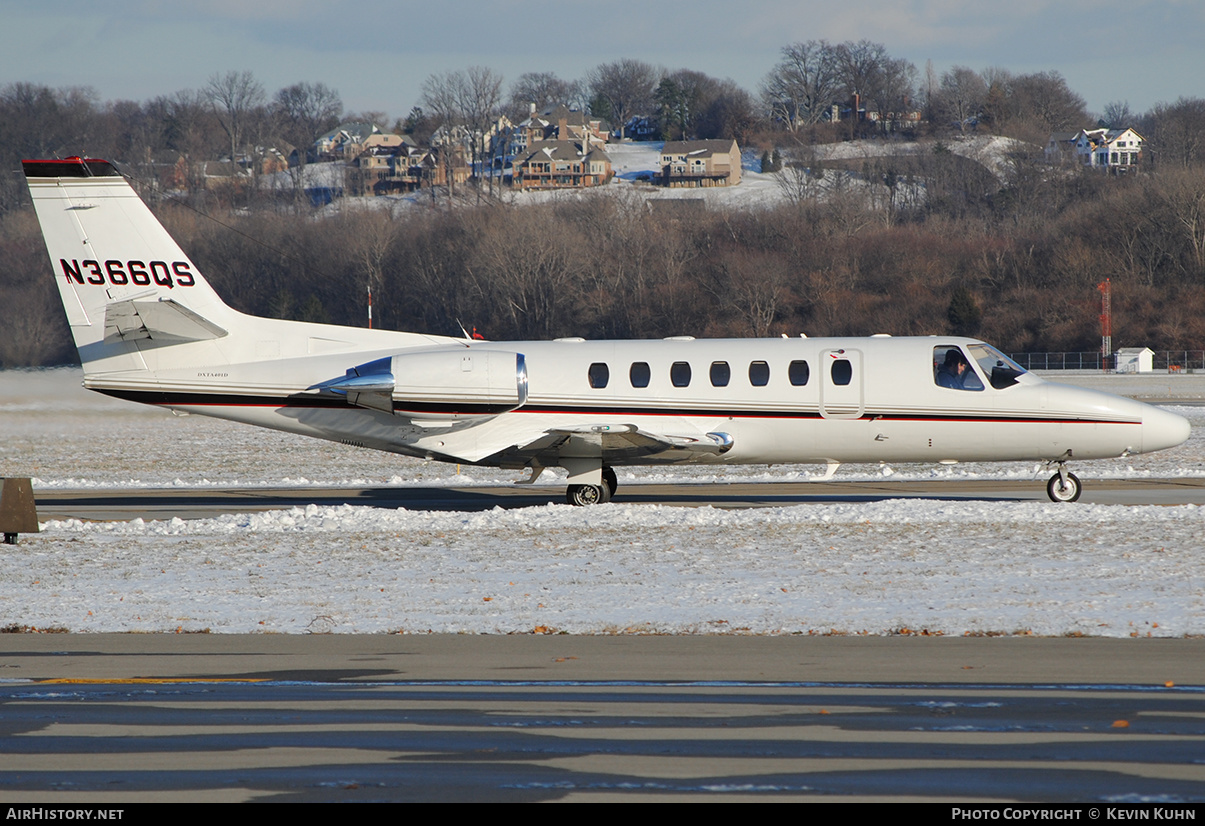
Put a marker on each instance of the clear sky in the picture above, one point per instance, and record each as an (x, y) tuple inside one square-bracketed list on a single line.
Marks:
[(378, 54)]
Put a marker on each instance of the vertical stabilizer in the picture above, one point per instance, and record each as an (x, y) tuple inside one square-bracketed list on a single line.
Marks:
[(125, 283)]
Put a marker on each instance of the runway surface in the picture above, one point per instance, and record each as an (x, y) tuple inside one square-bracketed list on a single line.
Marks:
[(109, 719), (166, 503)]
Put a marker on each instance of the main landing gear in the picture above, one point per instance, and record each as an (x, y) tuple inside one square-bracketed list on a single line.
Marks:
[(1064, 486), (593, 494)]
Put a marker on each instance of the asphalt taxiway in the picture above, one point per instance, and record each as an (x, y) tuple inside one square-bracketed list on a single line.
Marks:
[(112, 719), (166, 503)]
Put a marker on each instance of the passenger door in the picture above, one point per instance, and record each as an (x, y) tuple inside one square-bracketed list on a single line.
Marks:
[(841, 384)]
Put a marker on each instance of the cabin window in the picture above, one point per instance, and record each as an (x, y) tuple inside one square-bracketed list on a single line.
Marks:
[(721, 374), (799, 373), (639, 374), (679, 374), (599, 375), (842, 372), (953, 370), (759, 373)]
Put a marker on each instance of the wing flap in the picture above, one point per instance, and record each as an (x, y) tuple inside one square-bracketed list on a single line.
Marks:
[(615, 443), (617, 440)]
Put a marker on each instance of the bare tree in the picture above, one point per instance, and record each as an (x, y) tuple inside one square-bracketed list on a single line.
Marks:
[(306, 110), (1175, 132), (192, 130), (1182, 192), (728, 114), (896, 91), (233, 97), (441, 102), (41, 122), (1117, 115), (1045, 99), (930, 92), (372, 234), (480, 93), (756, 290), (962, 95), (801, 178), (543, 89), (1031, 106), (624, 88), (860, 67), (529, 274), (469, 99), (799, 90)]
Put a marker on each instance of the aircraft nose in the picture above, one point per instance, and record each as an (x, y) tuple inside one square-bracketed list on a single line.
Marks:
[(1162, 429)]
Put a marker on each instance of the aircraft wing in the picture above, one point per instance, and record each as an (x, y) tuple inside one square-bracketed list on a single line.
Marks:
[(615, 443)]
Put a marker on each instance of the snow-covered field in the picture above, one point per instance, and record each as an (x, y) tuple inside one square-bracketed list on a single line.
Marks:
[(940, 567)]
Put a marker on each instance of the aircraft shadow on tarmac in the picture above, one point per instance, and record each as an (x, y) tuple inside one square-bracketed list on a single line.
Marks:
[(127, 504)]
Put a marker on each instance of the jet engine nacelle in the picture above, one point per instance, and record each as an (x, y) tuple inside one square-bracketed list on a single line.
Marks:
[(442, 384)]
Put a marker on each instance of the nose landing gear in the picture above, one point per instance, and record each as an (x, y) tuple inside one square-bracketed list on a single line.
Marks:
[(1064, 486)]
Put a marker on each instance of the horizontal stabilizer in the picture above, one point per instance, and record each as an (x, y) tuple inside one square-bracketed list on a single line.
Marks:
[(159, 320)]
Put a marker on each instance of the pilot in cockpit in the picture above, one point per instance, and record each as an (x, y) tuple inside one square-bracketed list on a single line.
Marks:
[(953, 372)]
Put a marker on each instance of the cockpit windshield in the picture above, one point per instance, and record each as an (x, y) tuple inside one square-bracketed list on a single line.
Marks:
[(952, 368), (1001, 371)]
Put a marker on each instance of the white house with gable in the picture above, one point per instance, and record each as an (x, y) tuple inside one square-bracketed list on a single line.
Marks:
[(1114, 149)]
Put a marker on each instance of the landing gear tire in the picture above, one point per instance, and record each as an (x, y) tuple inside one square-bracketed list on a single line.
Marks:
[(1060, 492), (582, 495), (610, 481)]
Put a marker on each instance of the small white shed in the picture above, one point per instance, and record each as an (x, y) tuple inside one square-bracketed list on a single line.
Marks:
[(1135, 360)]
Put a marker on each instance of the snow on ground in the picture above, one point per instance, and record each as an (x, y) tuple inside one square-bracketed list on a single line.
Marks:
[(940, 567), (992, 151)]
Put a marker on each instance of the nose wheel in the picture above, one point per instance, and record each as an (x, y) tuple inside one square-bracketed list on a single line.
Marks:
[(1064, 486)]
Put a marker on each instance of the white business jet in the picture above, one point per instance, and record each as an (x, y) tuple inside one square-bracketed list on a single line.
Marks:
[(150, 329)]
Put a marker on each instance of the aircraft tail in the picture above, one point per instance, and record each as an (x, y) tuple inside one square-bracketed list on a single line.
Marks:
[(125, 283)]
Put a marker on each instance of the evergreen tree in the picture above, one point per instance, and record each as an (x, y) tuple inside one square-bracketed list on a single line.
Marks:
[(963, 313)]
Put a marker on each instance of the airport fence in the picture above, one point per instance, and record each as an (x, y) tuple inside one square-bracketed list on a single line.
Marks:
[(1171, 361)]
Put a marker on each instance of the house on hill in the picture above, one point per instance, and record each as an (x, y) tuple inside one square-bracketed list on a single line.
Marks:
[(1113, 149), (561, 165), (700, 163), (405, 168), (348, 140), (1060, 147), (1116, 150), (557, 123), (642, 128)]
